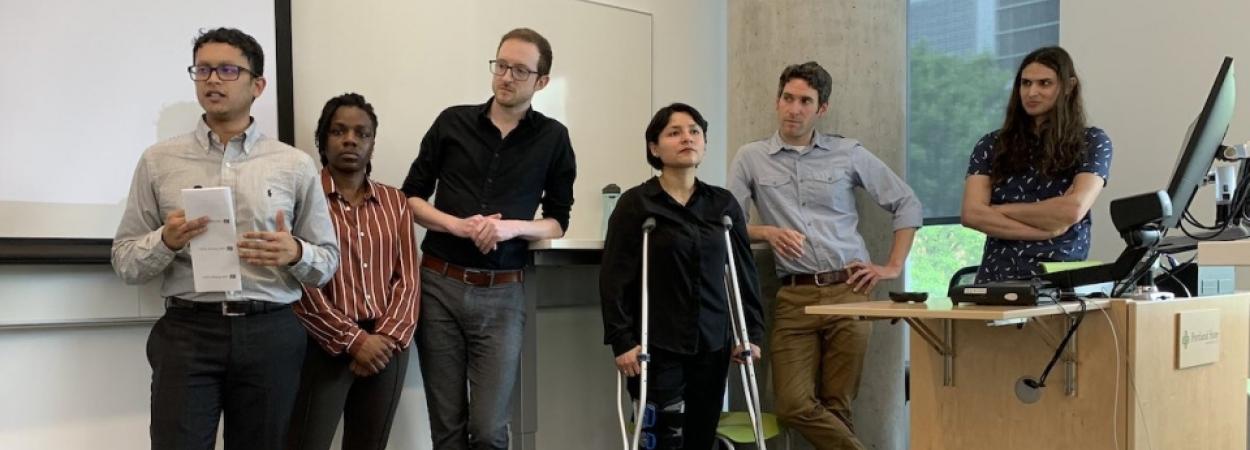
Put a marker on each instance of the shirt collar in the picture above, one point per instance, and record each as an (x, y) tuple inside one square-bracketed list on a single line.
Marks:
[(483, 112), (205, 136), (820, 140), (331, 188), (652, 188)]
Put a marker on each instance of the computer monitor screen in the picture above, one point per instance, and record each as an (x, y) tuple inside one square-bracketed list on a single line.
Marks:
[(1204, 141)]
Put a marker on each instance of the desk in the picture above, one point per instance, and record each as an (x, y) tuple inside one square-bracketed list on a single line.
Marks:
[(967, 359)]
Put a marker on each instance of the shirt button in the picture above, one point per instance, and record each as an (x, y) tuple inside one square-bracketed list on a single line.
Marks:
[(367, 296), (347, 208), (365, 265), (229, 165), (362, 234)]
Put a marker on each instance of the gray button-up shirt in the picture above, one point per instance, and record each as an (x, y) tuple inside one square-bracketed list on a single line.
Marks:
[(813, 193), (264, 175)]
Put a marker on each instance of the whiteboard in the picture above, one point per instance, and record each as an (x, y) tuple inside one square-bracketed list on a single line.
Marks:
[(411, 60), (87, 86)]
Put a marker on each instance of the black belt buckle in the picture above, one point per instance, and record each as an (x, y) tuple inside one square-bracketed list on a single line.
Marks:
[(227, 311)]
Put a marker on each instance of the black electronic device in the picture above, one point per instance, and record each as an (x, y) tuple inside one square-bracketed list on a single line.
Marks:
[(1142, 219), (1005, 293), (1204, 142), (904, 297)]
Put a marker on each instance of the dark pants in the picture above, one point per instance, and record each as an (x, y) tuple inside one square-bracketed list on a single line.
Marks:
[(469, 343), (686, 394), (205, 365), (329, 390)]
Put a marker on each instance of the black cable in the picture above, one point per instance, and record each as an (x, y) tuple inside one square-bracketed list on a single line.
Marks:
[(1237, 208), (1132, 280), (1171, 273), (1041, 382)]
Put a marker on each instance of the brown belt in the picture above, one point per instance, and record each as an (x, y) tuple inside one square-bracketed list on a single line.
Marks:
[(818, 279), (472, 277)]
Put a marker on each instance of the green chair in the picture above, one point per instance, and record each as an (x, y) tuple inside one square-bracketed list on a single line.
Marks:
[(735, 428)]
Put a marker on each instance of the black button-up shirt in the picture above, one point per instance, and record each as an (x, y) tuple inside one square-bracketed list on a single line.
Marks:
[(688, 308), (473, 171)]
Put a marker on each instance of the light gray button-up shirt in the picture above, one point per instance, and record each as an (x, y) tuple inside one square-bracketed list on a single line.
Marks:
[(813, 193), (264, 175)]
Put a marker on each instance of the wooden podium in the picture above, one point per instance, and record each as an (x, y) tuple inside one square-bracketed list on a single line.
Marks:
[(967, 360)]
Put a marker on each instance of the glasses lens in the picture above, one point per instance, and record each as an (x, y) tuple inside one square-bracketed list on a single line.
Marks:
[(520, 73), (228, 72)]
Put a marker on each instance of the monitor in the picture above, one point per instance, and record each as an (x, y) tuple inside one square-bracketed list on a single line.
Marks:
[(1204, 141)]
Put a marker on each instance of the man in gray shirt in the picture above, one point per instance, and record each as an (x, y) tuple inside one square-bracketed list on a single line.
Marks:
[(802, 182), (235, 353)]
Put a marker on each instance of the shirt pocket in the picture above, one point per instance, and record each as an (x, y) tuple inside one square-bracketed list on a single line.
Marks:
[(262, 195), (777, 190), (829, 192)]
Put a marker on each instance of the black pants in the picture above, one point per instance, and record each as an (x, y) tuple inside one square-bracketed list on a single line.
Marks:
[(329, 390), (686, 393), (206, 365)]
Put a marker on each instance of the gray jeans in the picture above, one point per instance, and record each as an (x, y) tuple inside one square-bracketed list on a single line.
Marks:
[(469, 344)]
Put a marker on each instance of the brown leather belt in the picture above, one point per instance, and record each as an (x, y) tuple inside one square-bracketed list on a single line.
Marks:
[(472, 277), (818, 279)]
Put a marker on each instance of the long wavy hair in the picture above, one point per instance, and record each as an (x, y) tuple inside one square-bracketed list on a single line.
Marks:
[(1062, 134)]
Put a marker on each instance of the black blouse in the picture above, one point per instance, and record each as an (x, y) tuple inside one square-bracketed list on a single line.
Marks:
[(689, 312)]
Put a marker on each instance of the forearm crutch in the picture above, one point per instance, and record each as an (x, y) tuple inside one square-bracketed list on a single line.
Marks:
[(750, 390), (644, 358)]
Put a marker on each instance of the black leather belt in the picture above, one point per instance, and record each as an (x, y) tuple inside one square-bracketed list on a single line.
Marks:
[(228, 308)]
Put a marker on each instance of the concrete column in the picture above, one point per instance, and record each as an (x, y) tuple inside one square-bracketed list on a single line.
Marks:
[(862, 43)]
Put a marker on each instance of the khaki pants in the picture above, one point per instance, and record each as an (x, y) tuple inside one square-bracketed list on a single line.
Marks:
[(816, 363)]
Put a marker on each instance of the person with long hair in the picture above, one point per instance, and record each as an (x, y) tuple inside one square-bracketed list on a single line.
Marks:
[(1030, 184), (689, 331)]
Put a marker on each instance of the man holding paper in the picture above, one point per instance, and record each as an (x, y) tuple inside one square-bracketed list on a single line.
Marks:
[(232, 352)]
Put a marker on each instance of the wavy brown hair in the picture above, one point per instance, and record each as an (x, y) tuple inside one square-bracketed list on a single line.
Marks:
[(1062, 134)]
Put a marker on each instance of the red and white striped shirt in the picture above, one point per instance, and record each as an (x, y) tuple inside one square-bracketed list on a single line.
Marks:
[(378, 272)]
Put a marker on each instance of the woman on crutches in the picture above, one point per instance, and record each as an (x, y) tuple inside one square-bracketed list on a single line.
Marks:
[(689, 340)]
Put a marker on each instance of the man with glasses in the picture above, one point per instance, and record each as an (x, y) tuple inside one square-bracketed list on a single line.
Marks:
[(235, 353), (489, 167)]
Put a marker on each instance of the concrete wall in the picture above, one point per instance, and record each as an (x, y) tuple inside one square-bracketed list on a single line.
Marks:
[(862, 43)]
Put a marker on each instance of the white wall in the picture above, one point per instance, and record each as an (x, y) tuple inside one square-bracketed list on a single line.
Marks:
[(88, 388), (689, 66), (1147, 68)]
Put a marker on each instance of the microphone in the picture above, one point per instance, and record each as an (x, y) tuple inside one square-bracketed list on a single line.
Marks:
[(725, 220), (648, 225), (1028, 390)]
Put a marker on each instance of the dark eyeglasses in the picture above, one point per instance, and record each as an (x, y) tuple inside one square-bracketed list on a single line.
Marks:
[(226, 72), (519, 72)]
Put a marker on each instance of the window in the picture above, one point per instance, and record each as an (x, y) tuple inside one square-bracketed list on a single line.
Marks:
[(962, 58)]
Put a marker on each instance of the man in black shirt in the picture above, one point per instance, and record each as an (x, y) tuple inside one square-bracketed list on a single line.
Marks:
[(490, 165)]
